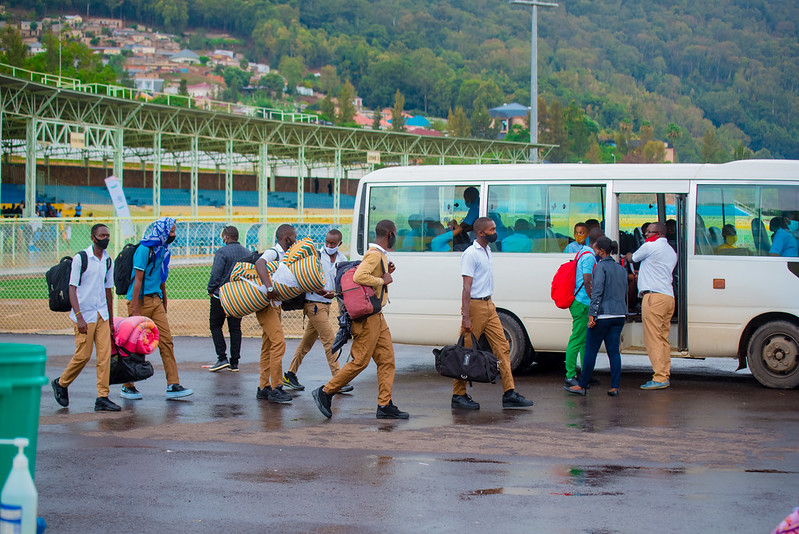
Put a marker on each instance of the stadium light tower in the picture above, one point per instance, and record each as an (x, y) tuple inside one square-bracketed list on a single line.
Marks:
[(534, 72)]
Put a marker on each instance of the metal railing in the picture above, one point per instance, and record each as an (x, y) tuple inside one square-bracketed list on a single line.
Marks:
[(29, 247)]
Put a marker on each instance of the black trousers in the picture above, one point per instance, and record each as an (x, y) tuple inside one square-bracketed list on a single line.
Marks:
[(216, 320)]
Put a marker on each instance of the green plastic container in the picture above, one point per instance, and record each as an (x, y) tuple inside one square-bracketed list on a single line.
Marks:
[(21, 381)]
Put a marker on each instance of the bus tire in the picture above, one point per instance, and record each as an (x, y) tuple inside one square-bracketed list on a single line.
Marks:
[(517, 339), (773, 355)]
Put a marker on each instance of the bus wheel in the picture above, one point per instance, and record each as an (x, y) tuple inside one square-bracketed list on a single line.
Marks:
[(773, 355), (514, 333)]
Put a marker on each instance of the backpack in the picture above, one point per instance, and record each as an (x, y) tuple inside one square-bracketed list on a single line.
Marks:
[(563, 283), (252, 258), (58, 281), (123, 267), (296, 303), (357, 300)]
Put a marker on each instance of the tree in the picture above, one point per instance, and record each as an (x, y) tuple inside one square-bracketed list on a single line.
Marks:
[(328, 108), (458, 123), (329, 81), (376, 120), (742, 152), (397, 119), (712, 151), (346, 106), (244, 64), (482, 127), (174, 14), (16, 51), (293, 69), (574, 118), (673, 133), (653, 152), (183, 88), (273, 82), (594, 154), (553, 132)]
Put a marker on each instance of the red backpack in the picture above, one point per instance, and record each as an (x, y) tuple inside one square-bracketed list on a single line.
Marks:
[(564, 281)]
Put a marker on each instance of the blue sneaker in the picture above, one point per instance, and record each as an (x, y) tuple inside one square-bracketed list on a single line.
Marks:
[(176, 391), (130, 393), (655, 385)]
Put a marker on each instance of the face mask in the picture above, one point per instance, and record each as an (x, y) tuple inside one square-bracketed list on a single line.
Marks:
[(793, 226), (170, 239), (491, 237), (331, 250), (392, 240), (103, 243), (731, 239), (580, 238), (289, 242)]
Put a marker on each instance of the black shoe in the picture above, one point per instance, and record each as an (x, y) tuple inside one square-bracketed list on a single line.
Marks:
[(464, 402), (346, 388), (61, 393), (234, 366), (389, 411), (220, 364), (511, 399), (577, 390), (290, 381), (263, 394), (613, 392), (104, 404), (322, 401), (569, 382), (279, 396)]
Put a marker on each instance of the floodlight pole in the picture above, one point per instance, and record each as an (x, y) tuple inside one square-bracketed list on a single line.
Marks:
[(534, 72)]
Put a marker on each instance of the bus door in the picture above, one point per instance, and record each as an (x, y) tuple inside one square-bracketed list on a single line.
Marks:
[(637, 204)]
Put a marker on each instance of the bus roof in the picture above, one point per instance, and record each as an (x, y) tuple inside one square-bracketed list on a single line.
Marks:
[(743, 170)]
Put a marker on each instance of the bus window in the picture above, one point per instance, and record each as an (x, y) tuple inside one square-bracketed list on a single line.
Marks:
[(638, 209), (429, 218), (541, 217), (747, 220)]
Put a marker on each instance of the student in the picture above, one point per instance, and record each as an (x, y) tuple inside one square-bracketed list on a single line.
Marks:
[(273, 342), (606, 316), (93, 314), (730, 236), (479, 316), (783, 243), (317, 313), (147, 297), (580, 238), (579, 308), (371, 336), (224, 260)]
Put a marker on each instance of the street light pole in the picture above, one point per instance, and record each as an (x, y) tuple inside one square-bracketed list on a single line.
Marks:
[(534, 71)]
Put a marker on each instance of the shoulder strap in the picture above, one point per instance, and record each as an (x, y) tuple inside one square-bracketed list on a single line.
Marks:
[(84, 260)]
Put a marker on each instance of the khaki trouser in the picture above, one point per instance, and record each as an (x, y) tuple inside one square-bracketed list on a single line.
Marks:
[(656, 316), (273, 347), (371, 340), (98, 335), (317, 325), (153, 307), (484, 318)]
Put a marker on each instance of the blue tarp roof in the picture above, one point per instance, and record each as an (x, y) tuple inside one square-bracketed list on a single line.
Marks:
[(418, 120)]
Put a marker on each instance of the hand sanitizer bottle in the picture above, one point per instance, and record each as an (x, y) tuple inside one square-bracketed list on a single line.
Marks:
[(19, 498)]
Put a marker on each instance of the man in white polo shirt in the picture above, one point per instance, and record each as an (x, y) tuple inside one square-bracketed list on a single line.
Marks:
[(93, 315), (479, 315), (657, 260)]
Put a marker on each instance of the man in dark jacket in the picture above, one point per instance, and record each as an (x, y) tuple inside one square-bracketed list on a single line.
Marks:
[(224, 260)]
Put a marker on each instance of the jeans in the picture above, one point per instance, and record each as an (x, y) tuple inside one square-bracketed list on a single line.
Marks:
[(215, 321), (609, 331)]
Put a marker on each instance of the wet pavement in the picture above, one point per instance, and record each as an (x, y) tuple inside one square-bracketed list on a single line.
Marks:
[(715, 452)]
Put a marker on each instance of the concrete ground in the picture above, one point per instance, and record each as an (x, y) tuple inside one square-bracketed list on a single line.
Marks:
[(715, 452)]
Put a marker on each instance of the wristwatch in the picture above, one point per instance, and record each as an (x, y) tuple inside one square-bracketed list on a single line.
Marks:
[(270, 289)]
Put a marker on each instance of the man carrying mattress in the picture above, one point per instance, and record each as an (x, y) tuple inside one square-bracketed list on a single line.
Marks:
[(273, 343)]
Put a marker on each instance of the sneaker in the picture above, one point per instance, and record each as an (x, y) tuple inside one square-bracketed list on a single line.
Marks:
[(263, 394), (220, 364), (389, 411), (656, 385), (613, 392), (290, 381), (464, 402), (279, 396), (60, 392), (233, 367), (176, 391), (322, 401), (577, 390), (346, 388), (130, 393), (511, 399), (104, 404), (569, 382)]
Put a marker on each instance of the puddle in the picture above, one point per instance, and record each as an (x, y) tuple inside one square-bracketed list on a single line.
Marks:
[(473, 461), (517, 491), (274, 476)]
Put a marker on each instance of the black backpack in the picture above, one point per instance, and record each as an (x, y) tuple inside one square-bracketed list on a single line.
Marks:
[(123, 267), (58, 281)]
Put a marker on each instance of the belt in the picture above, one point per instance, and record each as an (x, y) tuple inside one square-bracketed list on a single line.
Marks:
[(151, 295), (482, 298), (646, 292)]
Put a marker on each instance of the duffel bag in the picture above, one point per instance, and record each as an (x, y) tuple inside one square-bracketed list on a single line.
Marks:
[(472, 364)]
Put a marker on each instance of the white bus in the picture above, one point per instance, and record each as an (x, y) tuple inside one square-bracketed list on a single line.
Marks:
[(734, 298)]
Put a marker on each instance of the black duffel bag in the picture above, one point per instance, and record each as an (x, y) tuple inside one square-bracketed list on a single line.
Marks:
[(128, 367), (472, 364)]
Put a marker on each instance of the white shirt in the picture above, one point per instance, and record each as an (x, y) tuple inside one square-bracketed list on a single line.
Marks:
[(91, 291), (476, 262), (657, 263), (329, 269), (275, 253)]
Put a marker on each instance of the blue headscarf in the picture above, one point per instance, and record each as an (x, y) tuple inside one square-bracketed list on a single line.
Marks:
[(156, 240)]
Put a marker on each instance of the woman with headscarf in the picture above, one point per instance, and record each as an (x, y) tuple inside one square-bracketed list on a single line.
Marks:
[(149, 274)]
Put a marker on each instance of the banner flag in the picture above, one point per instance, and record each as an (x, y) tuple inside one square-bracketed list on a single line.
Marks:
[(114, 186)]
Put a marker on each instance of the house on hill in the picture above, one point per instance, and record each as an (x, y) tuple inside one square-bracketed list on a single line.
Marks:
[(507, 116), (185, 56)]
